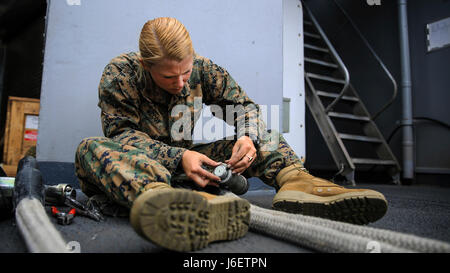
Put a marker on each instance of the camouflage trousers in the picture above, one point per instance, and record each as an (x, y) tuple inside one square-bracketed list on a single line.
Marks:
[(123, 172)]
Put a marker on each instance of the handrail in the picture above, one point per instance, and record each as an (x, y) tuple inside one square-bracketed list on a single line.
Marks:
[(342, 67), (394, 95)]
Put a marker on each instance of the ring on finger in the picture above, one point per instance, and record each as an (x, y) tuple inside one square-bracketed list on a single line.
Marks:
[(250, 158)]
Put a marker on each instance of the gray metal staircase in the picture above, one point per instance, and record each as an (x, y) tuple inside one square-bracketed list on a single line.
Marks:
[(347, 127)]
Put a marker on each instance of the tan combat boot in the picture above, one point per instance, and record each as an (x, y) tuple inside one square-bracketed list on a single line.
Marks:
[(305, 194), (185, 220)]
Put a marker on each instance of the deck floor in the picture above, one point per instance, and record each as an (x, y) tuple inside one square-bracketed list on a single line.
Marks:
[(419, 210)]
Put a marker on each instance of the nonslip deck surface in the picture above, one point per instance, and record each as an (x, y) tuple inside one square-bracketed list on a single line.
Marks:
[(419, 210)]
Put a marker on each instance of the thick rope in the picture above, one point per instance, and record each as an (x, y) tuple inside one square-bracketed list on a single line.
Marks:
[(315, 233), (38, 232), (331, 236)]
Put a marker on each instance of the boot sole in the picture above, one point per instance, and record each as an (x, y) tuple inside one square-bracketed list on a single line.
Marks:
[(182, 220), (355, 208)]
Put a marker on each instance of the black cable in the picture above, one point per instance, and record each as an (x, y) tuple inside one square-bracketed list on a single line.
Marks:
[(394, 131), (443, 124), (415, 120)]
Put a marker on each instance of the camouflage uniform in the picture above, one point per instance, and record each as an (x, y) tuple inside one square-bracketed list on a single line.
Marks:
[(139, 147)]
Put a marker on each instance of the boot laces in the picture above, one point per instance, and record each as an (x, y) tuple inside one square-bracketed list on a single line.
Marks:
[(302, 169)]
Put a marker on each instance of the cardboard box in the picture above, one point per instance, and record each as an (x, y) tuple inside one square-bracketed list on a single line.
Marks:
[(21, 131)]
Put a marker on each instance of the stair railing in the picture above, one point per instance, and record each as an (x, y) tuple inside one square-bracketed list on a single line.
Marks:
[(383, 66), (335, 55)]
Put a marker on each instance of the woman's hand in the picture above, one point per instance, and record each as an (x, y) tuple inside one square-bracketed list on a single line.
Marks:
[(243, 155), (192, 164)]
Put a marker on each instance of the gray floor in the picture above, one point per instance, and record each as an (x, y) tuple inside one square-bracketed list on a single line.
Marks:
[(418, 210)]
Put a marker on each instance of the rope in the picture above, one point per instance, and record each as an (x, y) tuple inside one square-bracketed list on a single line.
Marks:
[(325, 235), (315, 233), (38, 232)]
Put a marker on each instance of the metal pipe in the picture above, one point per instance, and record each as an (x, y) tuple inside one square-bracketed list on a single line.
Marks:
[(408, 140)]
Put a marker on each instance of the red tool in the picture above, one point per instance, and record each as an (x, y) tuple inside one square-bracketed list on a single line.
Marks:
[(64, 218)]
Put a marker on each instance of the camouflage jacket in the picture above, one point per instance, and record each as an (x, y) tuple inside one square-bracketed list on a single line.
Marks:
[(137, 112)]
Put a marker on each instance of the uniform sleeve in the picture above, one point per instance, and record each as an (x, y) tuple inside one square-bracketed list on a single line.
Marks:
[(120, 119), (237, 108)]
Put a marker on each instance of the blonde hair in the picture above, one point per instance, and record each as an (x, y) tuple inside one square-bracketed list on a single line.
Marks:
[(161, 38)]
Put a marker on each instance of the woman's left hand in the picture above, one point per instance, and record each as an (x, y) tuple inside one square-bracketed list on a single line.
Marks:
[(243, 155)]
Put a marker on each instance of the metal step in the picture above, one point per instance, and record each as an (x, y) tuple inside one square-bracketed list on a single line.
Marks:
[(334, 95), (320, 52), (360, 138), (319, 62), (371, 161), (348, 116), (325, 78), (312, 35), (317, 48)]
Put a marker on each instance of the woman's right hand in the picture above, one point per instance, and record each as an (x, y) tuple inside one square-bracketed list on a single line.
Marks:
[(192, 165)]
